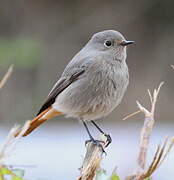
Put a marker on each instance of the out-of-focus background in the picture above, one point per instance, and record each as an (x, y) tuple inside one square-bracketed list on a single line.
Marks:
[(41, 37)]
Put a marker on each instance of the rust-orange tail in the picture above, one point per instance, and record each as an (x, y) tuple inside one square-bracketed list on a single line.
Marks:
[(41, 118)]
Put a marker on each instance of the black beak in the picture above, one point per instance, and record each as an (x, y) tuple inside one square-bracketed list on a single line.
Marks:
[(126, 43)]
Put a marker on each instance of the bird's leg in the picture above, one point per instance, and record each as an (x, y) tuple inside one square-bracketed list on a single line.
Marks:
[(87, 129), (96, 142), (97, 127), (109, 139)]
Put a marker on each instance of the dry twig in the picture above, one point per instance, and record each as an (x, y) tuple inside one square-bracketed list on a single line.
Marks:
[(93, 157), (147, 127), (130, 115), (11, 141), (160, 155), (6, 76), (162, 150)]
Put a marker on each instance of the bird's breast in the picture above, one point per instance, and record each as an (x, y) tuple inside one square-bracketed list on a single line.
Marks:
[(109, 84), (94, 95)]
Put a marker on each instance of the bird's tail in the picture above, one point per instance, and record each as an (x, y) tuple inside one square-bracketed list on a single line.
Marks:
[(41, 118)]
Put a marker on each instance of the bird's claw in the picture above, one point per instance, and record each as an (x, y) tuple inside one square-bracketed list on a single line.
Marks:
[(97, 143), (109, 139)]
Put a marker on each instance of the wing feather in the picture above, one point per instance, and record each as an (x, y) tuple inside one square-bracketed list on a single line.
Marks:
[(62, 84)]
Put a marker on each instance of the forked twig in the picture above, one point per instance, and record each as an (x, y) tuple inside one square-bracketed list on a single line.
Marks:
[(147, 127), (161, 152), (152, 100)]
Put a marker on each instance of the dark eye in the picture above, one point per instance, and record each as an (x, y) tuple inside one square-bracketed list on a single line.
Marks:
[(108, 43)]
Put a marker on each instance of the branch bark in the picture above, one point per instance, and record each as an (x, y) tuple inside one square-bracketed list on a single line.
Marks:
[(92, 160)]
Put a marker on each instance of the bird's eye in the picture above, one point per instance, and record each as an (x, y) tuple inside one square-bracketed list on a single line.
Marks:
[(108, 43)]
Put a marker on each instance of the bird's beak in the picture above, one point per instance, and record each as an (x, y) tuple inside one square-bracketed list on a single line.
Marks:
[(126, 43)]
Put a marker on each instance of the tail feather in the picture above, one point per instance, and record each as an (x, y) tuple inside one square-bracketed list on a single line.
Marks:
[(41, 118)]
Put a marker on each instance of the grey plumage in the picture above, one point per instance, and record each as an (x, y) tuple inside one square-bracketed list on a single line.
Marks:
[(101, 86), (92, 84)]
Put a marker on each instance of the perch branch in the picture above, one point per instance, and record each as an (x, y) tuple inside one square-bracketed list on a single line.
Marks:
[(93, 157)]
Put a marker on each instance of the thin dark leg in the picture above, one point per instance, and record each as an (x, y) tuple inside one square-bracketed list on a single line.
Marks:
[(86, 127), (96, 142), (97, 127), (109, 139)]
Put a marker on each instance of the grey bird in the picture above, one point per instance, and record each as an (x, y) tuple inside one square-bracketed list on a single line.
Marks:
[(92, 84)]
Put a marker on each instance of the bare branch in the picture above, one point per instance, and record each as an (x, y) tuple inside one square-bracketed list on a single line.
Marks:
[(130, 115), (147, 127), (167, 151), (160, 155), (145, 139), (142, 108), (155, 96), (150, 96)]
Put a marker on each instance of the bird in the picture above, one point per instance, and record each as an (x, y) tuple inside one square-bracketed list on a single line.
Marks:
[(92, 85)]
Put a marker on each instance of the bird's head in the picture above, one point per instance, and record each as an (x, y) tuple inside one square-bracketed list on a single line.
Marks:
[(110, 42)]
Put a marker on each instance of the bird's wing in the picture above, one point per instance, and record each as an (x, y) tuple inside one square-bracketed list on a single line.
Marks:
[(62, 84)]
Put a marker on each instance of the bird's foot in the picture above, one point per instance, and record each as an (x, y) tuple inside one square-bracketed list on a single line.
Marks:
[(97, 143), (109, 139)]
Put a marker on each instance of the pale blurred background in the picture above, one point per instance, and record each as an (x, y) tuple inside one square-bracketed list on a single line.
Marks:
[(41, 37)]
